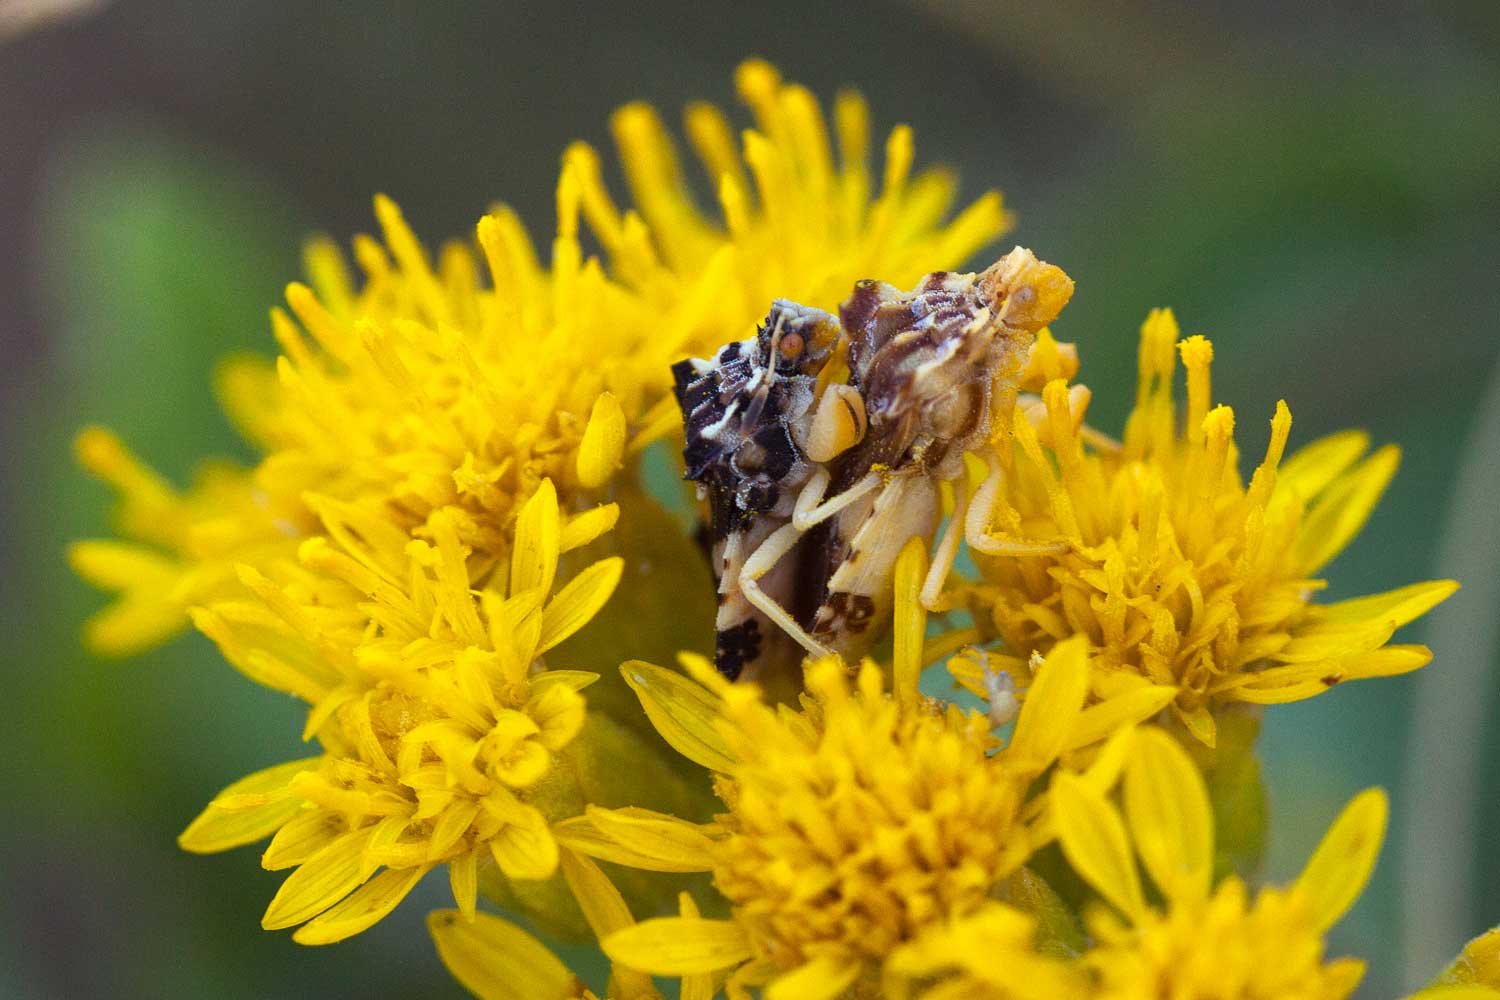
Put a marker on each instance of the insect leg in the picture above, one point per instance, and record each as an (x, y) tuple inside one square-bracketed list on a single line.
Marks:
[(809, 511), (761, 561), (947, 547), (976, 523)]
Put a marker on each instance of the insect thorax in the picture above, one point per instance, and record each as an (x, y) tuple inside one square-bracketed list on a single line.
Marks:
[(744, 410)]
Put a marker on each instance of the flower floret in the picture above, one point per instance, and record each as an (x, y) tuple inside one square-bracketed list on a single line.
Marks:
[(1175, 569)]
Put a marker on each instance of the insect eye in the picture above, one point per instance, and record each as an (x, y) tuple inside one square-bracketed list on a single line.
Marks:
[(791, 345)]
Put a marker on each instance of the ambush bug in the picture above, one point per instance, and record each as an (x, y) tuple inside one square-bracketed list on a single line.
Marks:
[(820, 445)]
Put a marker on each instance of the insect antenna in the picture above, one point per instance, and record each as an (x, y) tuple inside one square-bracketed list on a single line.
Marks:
[(766, 377)]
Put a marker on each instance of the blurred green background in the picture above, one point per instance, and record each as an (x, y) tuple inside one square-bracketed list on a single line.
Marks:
[(1317, 187)]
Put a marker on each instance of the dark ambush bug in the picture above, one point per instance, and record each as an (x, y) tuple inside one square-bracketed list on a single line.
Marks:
[(820, 443)]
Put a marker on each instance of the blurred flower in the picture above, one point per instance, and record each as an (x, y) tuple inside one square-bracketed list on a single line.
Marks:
[(795, 223), (179, 549), (852, 824), (1173, 568), (1478, 965), (1205, 940), (989, 955), (20, 17)]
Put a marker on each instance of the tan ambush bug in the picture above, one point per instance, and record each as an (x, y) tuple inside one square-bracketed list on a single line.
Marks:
[(821, 442)]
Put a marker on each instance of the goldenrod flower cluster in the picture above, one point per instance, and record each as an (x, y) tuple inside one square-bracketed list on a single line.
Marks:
[(850, 825), (1176, 569), (447, 464)]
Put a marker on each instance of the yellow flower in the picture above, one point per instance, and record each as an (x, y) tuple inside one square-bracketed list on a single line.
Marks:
[(434, 437), (180, 548), (426, 386), (794, 222), (1172, 567), (496, 960), (438, 735), (851, 825), (989, 955), (1205, 940)]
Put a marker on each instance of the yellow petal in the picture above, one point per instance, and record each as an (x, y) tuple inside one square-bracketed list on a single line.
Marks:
[(1394, 607), (668, 843), (1093, 838), (1338, 870), (538, 541), (326, 705), (1102, 775), (584, 528), (256, 806), (679, 946), (1199, 721), (1342, 510), (1456, 993), (1052, 706), (580, 834), (910, 623), (558, 711), (574, 679), (1342, 976), (328, 273), (1109, 763), (820, 979), (601, 902), (1312, 467), (683, 712), (1166, 805), (524, 848), (603, 442), (133, 625), (1479, 962), (496, 960), (300, 838), (362, 908), (1304, 680), (1100, 721), (701, 985), (605, 910), (576, 603), (463, 879), (117, 565), (1390, 661), (524, 766), (319, 882), (452, 824), (1322, 643)]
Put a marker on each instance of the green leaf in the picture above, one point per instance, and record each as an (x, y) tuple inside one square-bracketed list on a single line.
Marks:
[(1236, 792)]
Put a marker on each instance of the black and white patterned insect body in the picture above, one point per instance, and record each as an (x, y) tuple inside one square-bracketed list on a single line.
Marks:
[(806, 545), (747, 415)]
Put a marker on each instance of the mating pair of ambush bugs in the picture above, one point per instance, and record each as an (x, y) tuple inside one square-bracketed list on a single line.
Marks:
[(820, 443)]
